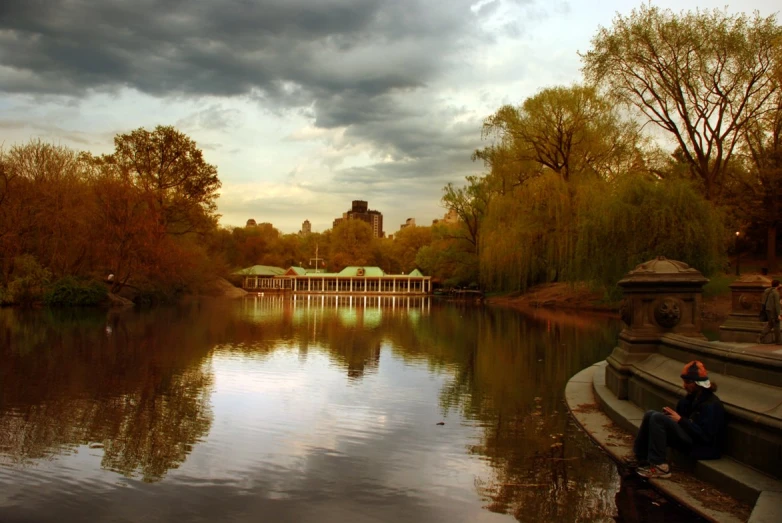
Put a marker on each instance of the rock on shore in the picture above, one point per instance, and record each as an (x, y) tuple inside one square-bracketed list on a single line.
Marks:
[(222, 288)]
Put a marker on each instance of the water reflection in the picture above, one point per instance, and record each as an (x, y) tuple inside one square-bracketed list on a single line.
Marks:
[(73, 378), (318, 407)]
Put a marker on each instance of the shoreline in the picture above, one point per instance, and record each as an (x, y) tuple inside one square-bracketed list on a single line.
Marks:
[(565, 297)]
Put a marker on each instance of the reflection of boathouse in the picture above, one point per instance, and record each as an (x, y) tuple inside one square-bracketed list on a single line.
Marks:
[(350, 280)]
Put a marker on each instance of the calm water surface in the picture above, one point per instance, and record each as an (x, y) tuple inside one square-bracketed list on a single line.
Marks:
[(319, 409)]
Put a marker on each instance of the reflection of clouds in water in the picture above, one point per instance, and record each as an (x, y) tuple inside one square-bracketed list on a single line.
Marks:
[(291, 436), (387, 421)]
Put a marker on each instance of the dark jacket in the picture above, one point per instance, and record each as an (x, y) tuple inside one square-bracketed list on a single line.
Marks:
[(771, 300), (703, 418)]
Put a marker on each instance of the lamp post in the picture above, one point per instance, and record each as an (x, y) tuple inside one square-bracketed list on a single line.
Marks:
[(738, 233)]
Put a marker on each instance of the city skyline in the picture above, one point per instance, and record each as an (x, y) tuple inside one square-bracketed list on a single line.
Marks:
[(301, 105)]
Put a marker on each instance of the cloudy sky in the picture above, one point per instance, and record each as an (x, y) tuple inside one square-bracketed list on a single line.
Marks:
[(303, 105)]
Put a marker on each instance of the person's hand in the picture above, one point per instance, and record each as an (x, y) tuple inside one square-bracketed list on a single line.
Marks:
[(672, 414)]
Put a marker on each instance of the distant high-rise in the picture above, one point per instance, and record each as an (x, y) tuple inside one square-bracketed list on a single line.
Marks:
[(450, 217), (410, 222), (251, 223), (306, 228), (361, 211)]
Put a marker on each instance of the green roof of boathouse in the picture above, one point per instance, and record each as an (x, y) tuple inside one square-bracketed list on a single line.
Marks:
[(260, 270)]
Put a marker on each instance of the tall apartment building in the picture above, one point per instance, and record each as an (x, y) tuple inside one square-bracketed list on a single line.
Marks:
[(361, 211), (306, 227), (450, 217), (410, 222)]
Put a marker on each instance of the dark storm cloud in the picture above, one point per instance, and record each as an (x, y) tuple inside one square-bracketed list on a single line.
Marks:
[(340, 56), (371, 66), (221, 47)]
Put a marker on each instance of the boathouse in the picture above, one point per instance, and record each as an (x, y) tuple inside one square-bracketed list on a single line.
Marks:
[(350, 280), (260, 277)]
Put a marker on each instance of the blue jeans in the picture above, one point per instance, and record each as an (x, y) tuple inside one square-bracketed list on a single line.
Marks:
[(657, 432)]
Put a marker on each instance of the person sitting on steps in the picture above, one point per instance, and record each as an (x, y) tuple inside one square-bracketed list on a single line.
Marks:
[(695, 427), (771, 299)]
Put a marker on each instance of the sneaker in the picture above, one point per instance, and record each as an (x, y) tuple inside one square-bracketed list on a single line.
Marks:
[(663, 470)]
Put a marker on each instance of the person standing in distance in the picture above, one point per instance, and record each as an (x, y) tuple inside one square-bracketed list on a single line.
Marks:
[(771, 299)]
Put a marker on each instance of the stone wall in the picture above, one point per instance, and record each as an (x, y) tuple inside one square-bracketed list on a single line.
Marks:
[(661, 312)]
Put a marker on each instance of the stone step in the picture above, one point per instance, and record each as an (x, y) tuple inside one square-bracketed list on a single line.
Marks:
[(754, 433), (731, 476), (580, 397)]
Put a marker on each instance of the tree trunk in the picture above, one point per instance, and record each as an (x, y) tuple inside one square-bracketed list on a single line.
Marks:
[(772, 248)]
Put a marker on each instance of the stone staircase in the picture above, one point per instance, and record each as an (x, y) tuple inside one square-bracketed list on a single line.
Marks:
[(661, 311)]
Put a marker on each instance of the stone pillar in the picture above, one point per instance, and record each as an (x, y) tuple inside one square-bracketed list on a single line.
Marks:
[(743, 325), (661, 296)]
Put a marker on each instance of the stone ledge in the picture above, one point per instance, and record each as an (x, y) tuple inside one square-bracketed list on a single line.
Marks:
[(768, 509), (582, 402), (733, 477), (754, 432), (748, 400), (740, 360)]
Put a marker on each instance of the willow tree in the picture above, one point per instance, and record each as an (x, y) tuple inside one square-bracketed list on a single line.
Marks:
[(639, 218), (701, 76), (544, 150), (528, 237), (449, 258)]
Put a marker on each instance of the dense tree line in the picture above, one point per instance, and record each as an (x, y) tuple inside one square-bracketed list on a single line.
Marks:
[(143, 221), (68, 220), (670, 145)]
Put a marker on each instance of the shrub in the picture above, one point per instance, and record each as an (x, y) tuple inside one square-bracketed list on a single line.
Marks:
[(70, 291), (28, 282)]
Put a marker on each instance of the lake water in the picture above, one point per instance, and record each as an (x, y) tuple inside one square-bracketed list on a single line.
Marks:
[(314, 409)]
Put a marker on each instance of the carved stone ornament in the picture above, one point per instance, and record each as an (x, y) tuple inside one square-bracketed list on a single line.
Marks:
[(747, 302), (668, 313), (626, 311)]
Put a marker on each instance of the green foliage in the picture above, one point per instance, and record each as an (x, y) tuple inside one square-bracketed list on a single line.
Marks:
[(450, 258), (70, 291), (28, 282), (638, 219), (702, 76), (528, 236), (719, 285), (572, 131)]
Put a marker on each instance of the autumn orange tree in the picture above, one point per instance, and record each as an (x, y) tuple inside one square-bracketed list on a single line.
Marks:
[(139, 213), (168, 165), (157, 196), (351, 244), (49, 204), (127, 229)]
